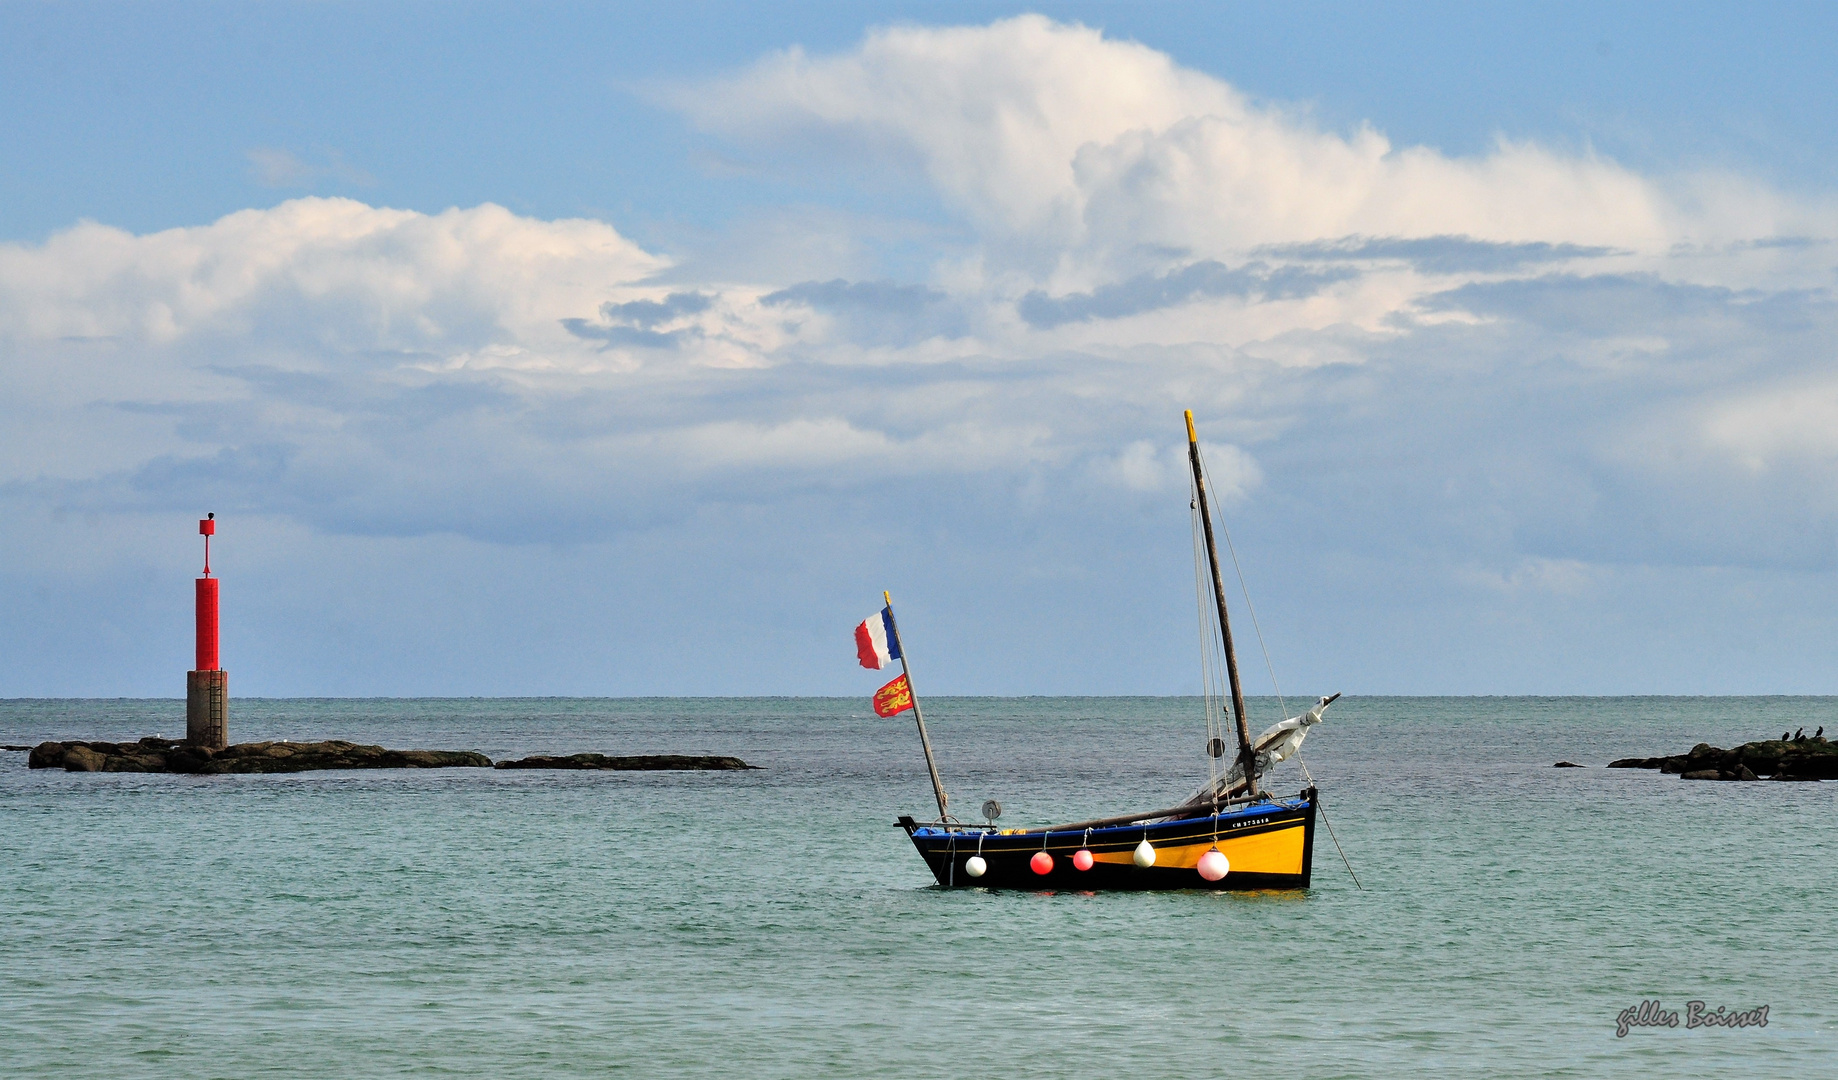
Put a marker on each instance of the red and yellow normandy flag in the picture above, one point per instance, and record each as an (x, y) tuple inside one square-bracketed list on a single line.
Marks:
[(894, 698)]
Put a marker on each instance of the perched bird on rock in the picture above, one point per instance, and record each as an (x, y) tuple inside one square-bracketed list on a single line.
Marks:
[(1819, 734), (1785, 737), (1800, 735)]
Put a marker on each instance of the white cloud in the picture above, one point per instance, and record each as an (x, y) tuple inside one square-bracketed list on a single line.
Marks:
[(1119, 200), (302, 328), (1526, 360), (1083, 152), (327, 275)]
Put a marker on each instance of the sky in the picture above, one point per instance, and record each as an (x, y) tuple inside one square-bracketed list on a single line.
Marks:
[(604, 349)]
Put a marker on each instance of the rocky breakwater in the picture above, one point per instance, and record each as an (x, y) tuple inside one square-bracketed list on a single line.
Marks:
[(1795, 758), (156, 755), (637, 763)]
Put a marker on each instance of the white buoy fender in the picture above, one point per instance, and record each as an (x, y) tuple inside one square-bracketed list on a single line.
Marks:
[(975, 866), (1145, 854), (1214, 865)]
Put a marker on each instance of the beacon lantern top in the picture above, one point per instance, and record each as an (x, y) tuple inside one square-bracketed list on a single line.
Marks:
[(208, 527)]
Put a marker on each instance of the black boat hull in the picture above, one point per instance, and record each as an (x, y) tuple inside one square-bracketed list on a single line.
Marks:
[(1268, 845)]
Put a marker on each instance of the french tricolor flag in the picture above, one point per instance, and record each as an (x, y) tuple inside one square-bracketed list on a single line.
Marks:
[(876, 645)]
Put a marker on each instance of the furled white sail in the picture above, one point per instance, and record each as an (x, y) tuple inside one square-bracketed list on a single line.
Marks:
[(1276, 743)]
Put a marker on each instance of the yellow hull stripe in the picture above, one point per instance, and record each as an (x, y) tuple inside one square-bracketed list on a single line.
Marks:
[(1275, 852)]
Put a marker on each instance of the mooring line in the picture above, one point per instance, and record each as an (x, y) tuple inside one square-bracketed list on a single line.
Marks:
[(1322, 810), (1343, 855)]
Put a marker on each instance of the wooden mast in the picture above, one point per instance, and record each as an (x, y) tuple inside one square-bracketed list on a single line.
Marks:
[(938, 786), (1247, 758)]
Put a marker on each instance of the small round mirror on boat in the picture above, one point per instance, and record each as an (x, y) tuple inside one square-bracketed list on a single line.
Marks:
[(992, 810), (975, 866), (1215, 747)]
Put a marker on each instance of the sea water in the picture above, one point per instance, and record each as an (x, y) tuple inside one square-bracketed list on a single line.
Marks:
[(776, 923)]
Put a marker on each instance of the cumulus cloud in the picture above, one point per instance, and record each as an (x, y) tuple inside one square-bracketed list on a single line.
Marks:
[(1066, 143), (1513, 372), (1146, 238), (327, 277)]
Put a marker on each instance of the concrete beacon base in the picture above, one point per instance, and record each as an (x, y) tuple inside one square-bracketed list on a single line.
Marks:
[(207, 708)]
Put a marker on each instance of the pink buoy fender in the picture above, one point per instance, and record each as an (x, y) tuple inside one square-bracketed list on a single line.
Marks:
[(1214, 865), (1082, 860), (1041, 863)]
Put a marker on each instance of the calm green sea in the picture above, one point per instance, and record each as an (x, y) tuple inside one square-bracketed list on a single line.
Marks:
[(776, 923)]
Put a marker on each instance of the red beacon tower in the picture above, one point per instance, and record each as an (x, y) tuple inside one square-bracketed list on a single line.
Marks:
[(207, 689)]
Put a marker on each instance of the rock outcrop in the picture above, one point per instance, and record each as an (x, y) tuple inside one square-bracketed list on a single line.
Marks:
[(640, 763), (156, 755), (1777, 759)]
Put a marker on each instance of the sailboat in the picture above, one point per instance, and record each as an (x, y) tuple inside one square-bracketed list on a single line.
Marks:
[(1231, 834)]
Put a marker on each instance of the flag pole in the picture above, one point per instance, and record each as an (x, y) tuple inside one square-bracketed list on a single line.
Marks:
[(938, 786)]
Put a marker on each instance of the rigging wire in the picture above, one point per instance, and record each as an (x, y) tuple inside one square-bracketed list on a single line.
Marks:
[(1246, 590), (1211, 642)]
